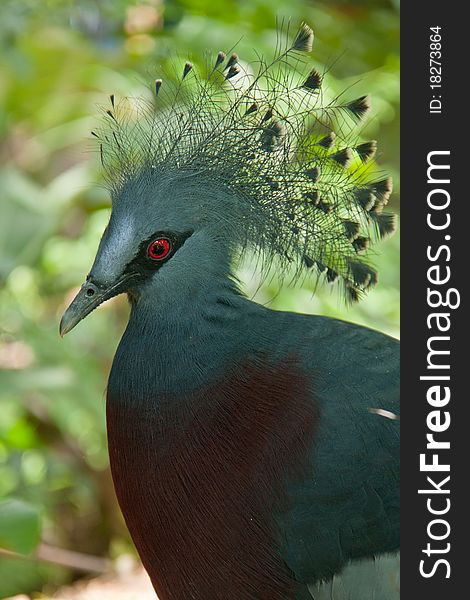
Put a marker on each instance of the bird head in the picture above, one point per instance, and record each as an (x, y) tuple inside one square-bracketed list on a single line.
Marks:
[(156, 233), (243, 157)]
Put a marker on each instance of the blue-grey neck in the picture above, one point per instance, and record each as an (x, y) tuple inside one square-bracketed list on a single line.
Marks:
[(186, 325)]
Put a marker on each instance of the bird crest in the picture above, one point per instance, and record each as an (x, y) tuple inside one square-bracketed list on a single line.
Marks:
[(303, 192)]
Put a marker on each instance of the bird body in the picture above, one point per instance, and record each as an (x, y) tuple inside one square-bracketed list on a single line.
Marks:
[(254, 452), (258, 467)]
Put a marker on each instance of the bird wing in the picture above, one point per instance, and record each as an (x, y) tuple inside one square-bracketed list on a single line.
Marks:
[(347, 507), (374, 579)]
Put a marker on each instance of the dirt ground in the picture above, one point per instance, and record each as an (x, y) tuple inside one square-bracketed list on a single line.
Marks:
[(133, 585)]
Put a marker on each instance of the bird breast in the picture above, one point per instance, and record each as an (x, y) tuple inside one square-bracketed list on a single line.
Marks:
[(199, 479)]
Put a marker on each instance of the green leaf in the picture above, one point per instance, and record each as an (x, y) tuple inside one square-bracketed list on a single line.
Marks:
[(20, 526)]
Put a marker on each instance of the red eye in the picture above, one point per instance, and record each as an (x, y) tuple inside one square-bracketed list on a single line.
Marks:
[(159, 249)]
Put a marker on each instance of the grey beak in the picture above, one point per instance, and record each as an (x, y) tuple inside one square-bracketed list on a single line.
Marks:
[(88, 298)]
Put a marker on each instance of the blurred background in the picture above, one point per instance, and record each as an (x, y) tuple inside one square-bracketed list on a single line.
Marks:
[(59, 60)]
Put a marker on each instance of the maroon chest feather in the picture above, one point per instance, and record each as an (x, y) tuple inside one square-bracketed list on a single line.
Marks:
[(199, 477)]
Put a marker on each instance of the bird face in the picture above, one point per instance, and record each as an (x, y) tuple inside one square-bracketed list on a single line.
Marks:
[(129, 255), (141, 250)]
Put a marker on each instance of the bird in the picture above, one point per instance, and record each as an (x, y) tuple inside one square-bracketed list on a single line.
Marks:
[(254, 452)]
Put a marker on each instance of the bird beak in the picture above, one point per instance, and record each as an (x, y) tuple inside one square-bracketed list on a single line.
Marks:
[(90, 296)]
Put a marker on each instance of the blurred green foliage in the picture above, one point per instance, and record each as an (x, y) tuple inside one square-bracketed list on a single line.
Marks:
[(60, 58), (19, 526)]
